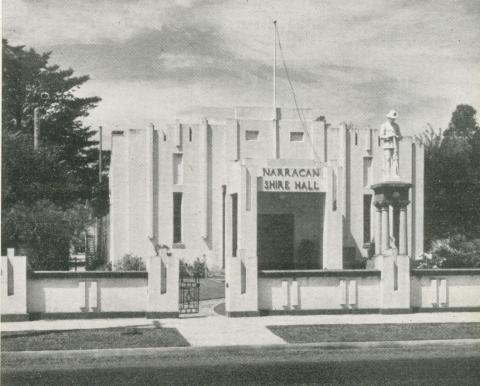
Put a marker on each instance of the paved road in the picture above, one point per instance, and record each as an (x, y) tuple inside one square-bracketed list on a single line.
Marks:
[(419, 365)]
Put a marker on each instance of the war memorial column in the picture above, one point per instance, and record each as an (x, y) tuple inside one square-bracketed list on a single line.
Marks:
[(392, 192)]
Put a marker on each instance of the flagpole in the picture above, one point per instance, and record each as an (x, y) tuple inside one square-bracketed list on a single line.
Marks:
[(275, 69)]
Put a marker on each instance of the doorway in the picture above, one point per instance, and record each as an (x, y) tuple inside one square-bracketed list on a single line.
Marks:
[(275, 241)]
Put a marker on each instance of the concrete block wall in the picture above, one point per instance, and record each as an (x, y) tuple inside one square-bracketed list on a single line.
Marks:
[(63, 294), (14, 286), (89, 294), (332, 291), (445, 290)]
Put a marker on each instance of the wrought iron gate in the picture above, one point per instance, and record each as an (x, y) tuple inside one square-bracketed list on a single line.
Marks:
[(189, 295)]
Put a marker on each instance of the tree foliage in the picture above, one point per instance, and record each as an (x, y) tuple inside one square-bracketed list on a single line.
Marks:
[(45, 191), (452, 177), (463, 123), (41, 231), (30, 82)]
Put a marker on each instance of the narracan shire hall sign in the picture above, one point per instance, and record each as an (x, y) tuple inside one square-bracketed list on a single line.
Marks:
[(291, 179)]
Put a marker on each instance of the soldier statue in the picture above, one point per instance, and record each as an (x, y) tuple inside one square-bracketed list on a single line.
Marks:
[(389, 137)]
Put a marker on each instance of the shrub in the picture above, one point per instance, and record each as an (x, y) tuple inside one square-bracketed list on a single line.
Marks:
[(130, 263), (428, 261), (104, 267), (197, 269), (41, 231), (453, 252)]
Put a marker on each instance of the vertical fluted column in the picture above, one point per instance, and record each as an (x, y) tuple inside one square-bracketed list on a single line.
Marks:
[(385, 228), (403, 231), (378, 231)]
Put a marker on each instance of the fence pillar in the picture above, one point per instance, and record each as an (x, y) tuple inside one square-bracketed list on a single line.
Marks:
[(14, 287), (394, 282), (163, 292)]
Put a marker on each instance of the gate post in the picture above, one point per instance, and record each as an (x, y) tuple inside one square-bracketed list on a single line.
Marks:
[(14, 287), (162, 291), (241, 277)]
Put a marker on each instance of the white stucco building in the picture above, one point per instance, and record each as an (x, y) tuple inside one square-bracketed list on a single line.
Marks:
[(287, 207), (218, 181)]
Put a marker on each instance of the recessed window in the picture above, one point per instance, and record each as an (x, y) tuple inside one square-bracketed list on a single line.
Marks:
[(367, 203), (178, 168), (177, 217), (296, 136), (367, 171), (190, 134), (251, 135), (234, 201), (356, 139)]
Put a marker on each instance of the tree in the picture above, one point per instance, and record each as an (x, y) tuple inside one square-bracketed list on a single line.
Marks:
[(45, 191), (30, 82), (463, 123), (30, 176), (452, 177)]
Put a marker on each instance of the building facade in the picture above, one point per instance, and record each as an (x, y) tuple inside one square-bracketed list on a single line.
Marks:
[(220, 183)]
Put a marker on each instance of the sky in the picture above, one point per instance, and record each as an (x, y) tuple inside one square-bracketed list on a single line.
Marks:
[(352, 60)]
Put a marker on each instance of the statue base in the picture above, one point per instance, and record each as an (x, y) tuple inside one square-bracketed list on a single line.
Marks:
[(395, 192)]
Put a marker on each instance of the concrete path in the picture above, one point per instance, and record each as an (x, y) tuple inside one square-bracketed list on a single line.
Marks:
[(210, 329)]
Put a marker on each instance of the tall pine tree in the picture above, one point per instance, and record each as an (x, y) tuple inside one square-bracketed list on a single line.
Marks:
[(45, 191), (29, 81)]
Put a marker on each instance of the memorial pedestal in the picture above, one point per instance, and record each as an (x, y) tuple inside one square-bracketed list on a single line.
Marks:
[(391, 248)]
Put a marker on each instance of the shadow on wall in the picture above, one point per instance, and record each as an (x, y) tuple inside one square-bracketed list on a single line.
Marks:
[(352, 255)]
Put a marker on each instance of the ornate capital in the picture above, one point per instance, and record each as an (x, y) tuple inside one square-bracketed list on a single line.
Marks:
[(393, 193)]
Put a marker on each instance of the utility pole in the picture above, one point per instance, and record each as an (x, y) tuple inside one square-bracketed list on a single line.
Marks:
[(36, 121), (100, 154), (99, 220), (36, 127), (276, 151)]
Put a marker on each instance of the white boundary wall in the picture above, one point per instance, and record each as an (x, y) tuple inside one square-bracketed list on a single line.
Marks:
[(335, 293), (445, 289), (93, 294)]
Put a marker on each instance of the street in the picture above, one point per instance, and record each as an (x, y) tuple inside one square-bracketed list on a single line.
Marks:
[(294, 364)]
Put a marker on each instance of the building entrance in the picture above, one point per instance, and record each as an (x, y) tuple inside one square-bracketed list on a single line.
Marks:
[(289, 230), (275, 242)]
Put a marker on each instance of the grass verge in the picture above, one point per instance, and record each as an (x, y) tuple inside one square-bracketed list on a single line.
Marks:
[(376, 332), (127, 337)]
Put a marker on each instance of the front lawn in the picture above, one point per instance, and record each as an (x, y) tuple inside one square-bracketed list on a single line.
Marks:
[(124, 337), (212, 289), (376, 332)]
